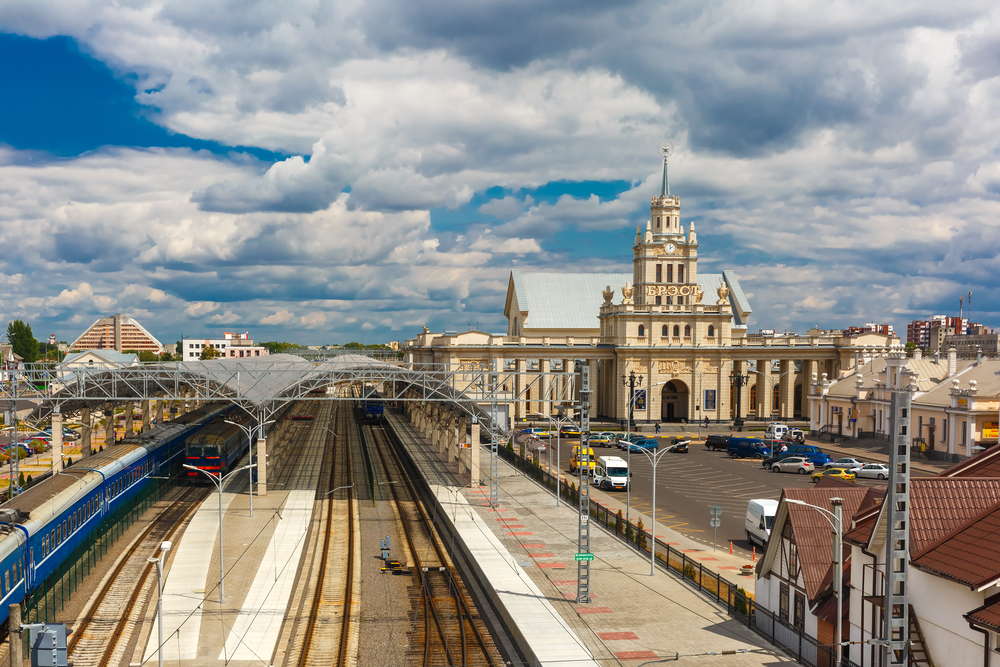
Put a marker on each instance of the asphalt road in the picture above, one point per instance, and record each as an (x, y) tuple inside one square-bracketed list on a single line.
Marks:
[(688, 484)]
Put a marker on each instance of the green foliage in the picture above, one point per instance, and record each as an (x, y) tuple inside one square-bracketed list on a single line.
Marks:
[(619, 525), (741, 601), (275, 347), (179, 349), (20, 479), (145, 356), (166, 356), (210, 352), (641, 535), (910, 348), (70, 462), (29, 480), (22, 340), (689, 571), (354, 345)]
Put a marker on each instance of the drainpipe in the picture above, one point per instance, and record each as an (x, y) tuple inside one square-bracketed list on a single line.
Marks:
[(986, 641)]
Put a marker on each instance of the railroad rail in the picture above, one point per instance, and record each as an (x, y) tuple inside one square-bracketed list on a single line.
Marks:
[(451, 632), (330, 633), (103, 634)]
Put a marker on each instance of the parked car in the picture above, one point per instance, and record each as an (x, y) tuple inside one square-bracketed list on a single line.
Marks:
[(569, 431), (611, 472), (838, 473), (602, 439), (580, 460), (873, 471), (811, 452), (752, 448), (760, 517), (68, 433), (776, 431), (716, 442), (795, 435), (625, 438), (537, 432), (846, 463), (678, 445), (793, 464), (644, 444)]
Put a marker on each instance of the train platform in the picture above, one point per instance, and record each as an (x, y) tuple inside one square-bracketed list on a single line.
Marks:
[(524, 557)]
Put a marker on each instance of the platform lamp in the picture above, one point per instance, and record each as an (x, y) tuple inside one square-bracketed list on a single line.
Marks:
[(164, 549), (738, 381)]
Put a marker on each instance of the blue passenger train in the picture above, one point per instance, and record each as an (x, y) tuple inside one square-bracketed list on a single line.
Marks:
[(41, 527), (216, 448)]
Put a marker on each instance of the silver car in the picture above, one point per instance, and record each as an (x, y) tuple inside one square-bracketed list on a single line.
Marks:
[(845, 463), (793, 464), (873, 471)]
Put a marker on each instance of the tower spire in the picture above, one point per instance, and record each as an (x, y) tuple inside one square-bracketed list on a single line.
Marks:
[(666, 150)]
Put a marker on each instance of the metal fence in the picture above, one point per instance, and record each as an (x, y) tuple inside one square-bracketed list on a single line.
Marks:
[(738, 604), (51, 596)]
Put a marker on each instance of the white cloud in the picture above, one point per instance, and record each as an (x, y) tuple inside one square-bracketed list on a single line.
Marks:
[(200, 308), (279, 317), (367, 326), (314, 320), (228, 317)]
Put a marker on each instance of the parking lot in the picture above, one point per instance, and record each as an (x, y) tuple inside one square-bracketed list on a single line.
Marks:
[(688, 484)]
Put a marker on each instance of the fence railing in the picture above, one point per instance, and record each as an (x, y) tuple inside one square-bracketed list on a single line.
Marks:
[(737, 602)]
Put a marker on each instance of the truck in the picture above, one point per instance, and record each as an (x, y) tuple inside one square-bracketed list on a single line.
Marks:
[(611, 472), (579, 460), (760, 518)]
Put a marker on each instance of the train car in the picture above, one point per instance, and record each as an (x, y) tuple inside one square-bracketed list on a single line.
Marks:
[(216, 448), (41, 527)]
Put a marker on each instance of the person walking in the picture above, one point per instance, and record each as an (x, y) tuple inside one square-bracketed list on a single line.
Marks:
[(657, 427), (706, 421)]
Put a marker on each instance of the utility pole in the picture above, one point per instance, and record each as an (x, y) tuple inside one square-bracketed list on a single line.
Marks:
[(583, 541), (738, 381)]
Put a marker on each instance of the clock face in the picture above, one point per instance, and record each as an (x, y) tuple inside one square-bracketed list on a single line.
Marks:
[(670, 248)]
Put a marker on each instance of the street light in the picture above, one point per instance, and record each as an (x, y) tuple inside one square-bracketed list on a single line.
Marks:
[(838, 560), (219, 483), (164, 548), (248, 430), (738, 381), (559, 422), (631, 381), (628, 459), (654, 460)]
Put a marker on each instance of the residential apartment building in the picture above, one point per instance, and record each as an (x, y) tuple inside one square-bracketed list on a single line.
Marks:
[(231, 346), (116, 332)]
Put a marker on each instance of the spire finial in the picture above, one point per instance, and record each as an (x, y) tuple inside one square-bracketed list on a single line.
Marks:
[(666, 150)]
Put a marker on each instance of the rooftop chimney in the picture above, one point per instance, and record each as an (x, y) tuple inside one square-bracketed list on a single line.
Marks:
[(952, 361)]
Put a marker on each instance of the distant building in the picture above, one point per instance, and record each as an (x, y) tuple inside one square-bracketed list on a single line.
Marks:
[(919, 333), (231, 345), (885, 329), (119, 333)]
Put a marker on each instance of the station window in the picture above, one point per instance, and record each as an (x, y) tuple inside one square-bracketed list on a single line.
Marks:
[(670, 273), (664, 333), (659, 300), (680, 273), (680, 301), (687, 331), (659, 271), (642, 331), (670, 300), (677, 331), (711, 331)]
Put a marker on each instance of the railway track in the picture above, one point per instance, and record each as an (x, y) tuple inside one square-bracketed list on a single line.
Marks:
[(448, 629), (102, 636), (330, 632)]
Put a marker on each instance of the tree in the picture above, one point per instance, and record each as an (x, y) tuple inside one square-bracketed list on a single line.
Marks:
[(910, 347), (179, 349), (210, 353), (22, 340)]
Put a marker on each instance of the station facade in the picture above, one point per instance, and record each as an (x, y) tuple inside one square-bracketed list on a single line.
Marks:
[(683, 331)]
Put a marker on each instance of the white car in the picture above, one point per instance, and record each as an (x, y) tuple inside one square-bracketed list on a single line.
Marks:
[(846, 463), (797, 464), (873, 471)]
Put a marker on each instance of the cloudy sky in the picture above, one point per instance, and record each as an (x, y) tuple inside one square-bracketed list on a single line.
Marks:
[(326, 171)]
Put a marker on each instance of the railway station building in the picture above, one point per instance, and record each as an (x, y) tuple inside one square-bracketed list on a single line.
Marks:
[(684, 331)]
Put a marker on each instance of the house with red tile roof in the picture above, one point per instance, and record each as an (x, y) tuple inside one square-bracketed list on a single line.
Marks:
[(954, 579), (795, 574)]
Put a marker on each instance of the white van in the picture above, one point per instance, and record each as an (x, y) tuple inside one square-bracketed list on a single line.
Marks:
[(776, 432), (611, 472), (760, 518)]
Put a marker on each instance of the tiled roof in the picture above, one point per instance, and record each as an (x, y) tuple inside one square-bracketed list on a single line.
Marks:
[(984, 464), (938, 506), (969, 555), (864, 523), (813, 535), (988, 614)]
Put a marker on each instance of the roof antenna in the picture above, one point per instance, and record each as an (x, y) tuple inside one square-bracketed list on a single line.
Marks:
[(666, 150)]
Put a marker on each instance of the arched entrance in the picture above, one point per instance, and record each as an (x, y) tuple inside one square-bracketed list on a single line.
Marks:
[(674, 402)]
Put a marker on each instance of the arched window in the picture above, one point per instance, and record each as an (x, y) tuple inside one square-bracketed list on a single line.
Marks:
[(687, 331), (642, 331), (664, 334), (711, 331), (677, 331)]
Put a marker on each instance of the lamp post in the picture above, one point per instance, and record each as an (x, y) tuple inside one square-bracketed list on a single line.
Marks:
[(654, 460), (164, 548), (219, 483), (249, 430), (559, 422), (631, 381), (628, 458), (738, 381), (837, 524)]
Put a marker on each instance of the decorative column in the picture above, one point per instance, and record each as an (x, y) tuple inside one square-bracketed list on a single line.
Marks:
[(159, 411), (787, 389), (129, 417), (519, 385), (262, 467), (474, 454), (146, 412), (763, 407)]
